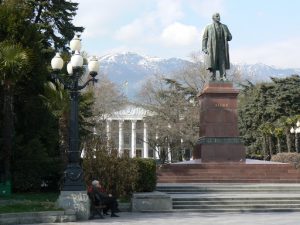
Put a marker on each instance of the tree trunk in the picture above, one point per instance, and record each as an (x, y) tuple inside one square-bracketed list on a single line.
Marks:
[(264, 145), (288, 139), (271, 146), (8, 129), (278, 145), (163, 154)]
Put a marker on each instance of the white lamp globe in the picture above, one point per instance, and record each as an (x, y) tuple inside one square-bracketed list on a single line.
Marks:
[(77, 60), (70, 68), (93, 65), (75, 43), (57, 62), (292, 130)]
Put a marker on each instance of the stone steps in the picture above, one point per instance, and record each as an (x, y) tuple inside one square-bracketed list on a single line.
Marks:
[(230, 202), (226, 191), (233, 197), (237, 210), (238, 206), (228, 180)]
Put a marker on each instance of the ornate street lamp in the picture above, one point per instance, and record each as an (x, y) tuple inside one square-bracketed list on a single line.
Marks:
[(296, 131), (73, 179)]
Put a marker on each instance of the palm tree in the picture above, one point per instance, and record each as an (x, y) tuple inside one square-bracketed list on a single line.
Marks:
[(287, 122), (266, 129), (279, 133), (57, 100), (270, 133), (14, 62)]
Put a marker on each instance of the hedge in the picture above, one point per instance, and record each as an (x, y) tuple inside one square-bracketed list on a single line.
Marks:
[(146, 179), (292, 158)]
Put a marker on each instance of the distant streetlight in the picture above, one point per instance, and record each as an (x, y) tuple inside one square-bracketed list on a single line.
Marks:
[(73, 175), (296, 131)]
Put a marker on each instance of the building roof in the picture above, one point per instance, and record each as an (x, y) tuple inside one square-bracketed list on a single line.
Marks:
[(130, 113)]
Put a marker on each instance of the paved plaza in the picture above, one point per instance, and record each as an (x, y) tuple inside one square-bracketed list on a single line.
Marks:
[(287, 218)]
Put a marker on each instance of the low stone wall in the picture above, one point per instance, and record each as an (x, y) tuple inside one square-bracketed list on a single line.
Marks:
[(124, 207), (38, 217), (151, 202)]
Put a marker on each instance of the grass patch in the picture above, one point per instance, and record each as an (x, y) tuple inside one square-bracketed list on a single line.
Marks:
[(51, 197), (124, 199), (28, 202), (29, 207)]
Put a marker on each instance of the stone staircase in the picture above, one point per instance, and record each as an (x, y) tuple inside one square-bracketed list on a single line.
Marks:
[(233, 197), (249, 172)]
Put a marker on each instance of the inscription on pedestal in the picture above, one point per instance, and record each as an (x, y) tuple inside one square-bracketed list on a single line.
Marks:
[(222, 105), (220, 140)]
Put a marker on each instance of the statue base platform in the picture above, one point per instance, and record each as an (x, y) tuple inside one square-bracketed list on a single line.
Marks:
[(219, 136), (250, 171)]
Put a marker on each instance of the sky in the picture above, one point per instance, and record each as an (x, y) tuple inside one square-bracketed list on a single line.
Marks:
[(264, 31)]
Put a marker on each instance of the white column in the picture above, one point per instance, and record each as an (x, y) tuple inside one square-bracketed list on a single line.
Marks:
[(108, 130), (108, 133), (182, 150), (145, 144), (169, 149), (121, 137), (169, 153), (133, 138)]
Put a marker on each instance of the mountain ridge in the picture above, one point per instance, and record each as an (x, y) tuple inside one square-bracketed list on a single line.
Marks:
[(132, 68)]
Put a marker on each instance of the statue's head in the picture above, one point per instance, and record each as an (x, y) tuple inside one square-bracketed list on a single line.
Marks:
[(216, 17)]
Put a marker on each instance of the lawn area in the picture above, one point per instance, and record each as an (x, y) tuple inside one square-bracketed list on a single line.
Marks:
[(29, 202)]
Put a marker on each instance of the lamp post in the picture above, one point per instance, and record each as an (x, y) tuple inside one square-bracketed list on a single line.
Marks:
[(73, 179), (296, 131)]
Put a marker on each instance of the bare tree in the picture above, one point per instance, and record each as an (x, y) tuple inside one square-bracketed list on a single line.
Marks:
[(108, 98), (174, 123)]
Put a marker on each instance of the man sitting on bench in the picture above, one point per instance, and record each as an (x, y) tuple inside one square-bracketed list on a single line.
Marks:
[(102, 199)]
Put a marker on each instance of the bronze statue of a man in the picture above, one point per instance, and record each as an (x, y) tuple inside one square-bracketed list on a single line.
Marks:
[(215, 46)]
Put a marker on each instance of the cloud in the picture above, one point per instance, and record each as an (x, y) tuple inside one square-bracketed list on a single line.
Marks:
[(180, 34), (283, 53), (97, 16), (169, 11), (133, 24), (147, 27), (130, 31), (205, 8)]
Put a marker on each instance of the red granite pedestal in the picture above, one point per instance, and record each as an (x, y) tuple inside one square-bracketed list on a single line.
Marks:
[(219, 135)]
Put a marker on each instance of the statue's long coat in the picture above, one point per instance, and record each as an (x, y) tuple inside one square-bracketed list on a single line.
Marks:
[(209, 43)]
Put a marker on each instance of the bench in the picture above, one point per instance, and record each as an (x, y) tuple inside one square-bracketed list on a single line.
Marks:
[(96, 206)]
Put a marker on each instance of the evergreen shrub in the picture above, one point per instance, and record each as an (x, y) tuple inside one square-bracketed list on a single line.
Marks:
[(146, 179), (285, 157), (119, 175)]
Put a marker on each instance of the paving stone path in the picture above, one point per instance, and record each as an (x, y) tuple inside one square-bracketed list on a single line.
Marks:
[(126, 218)]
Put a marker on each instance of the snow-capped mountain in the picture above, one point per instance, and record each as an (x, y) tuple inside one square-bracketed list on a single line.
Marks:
[(261, 72), (132, 69)]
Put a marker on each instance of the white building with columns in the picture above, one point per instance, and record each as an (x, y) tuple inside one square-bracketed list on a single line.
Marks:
[(129, 133)]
